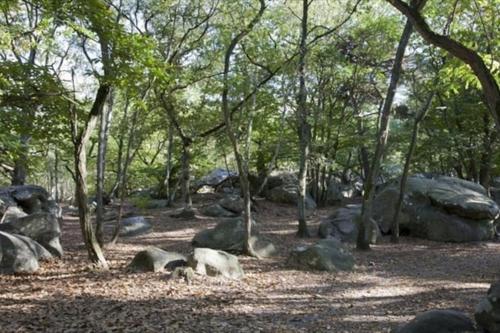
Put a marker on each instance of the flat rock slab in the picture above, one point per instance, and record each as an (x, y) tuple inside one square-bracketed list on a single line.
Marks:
[(439, 321), (326, 255), (155, 259), (487, 312), (215, 262)]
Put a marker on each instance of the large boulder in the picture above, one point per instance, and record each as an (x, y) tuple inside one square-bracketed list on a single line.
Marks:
[(487, 312), (343, 225), (232, 203), (326, 255), (215, 177), (12, 213), (439, 321), (214, 262), (337, 191), (288, 194), (439, 208), (19, 254), (216, 210), (155, 259), (134, 226), (229, 235), (41, 227)]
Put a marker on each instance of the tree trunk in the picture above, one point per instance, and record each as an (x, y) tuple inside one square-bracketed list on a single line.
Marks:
[(20, 165), (94, 250), (363, 242), (226, 112), (304, 128), (470, 57), (119, 161), (105, 119), (406, 169), (186, 176)]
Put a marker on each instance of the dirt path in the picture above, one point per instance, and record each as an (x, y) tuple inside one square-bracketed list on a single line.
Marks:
[(389, 285)]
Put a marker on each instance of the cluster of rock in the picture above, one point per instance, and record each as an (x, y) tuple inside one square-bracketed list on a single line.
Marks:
[(283, 188), (437, 208), (486, 314), (229, 206), (29, 229), (203, 261)]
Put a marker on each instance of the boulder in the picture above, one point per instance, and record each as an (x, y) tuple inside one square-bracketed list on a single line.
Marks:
[(288, 194), (215, 262), (19, 254), (439, 208), (343, 225), (232, 203), (215, 177), (326, 255), (31, 198), (12, 213), (134, 226), (439, 321), (487, 312), (281, 178), (338, 191), (155, 259), (41, 227), (229, 235), (216, 210), (156, 204)]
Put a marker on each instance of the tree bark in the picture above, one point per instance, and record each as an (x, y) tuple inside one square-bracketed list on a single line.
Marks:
[(226, 112), (404, 177), (470, 57), (363, 242), (105, 119), (94, 249), (304, 128)]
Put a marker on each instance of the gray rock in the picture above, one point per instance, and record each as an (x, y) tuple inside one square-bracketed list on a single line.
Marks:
[(326, 255), (439, 321), (156, 203), (41, 227), (12, 213), (288, 194), (19, 254), (338, 191), (232, 203), (439, 208), (31, 198), (215, 262), (229, 235), (155, 259), (134, 226), (216, 210), (215, 177), (487, 312), (343, 225)]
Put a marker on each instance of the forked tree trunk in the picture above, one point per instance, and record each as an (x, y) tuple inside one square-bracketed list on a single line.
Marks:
[(363, 242), (94, 249), (404, 177), (243, 171)]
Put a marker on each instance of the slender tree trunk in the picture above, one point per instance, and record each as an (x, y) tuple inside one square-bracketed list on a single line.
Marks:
[(487, 154), (56, 174), (94, 249), (406, 169), (304, 127), (165, 187), (119, 161), (226, 112), (186, 176), (488, 82), (363, 242), (20, 165), (105, 119)]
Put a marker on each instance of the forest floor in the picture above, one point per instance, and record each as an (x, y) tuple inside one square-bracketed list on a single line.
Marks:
[(388, 286)]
